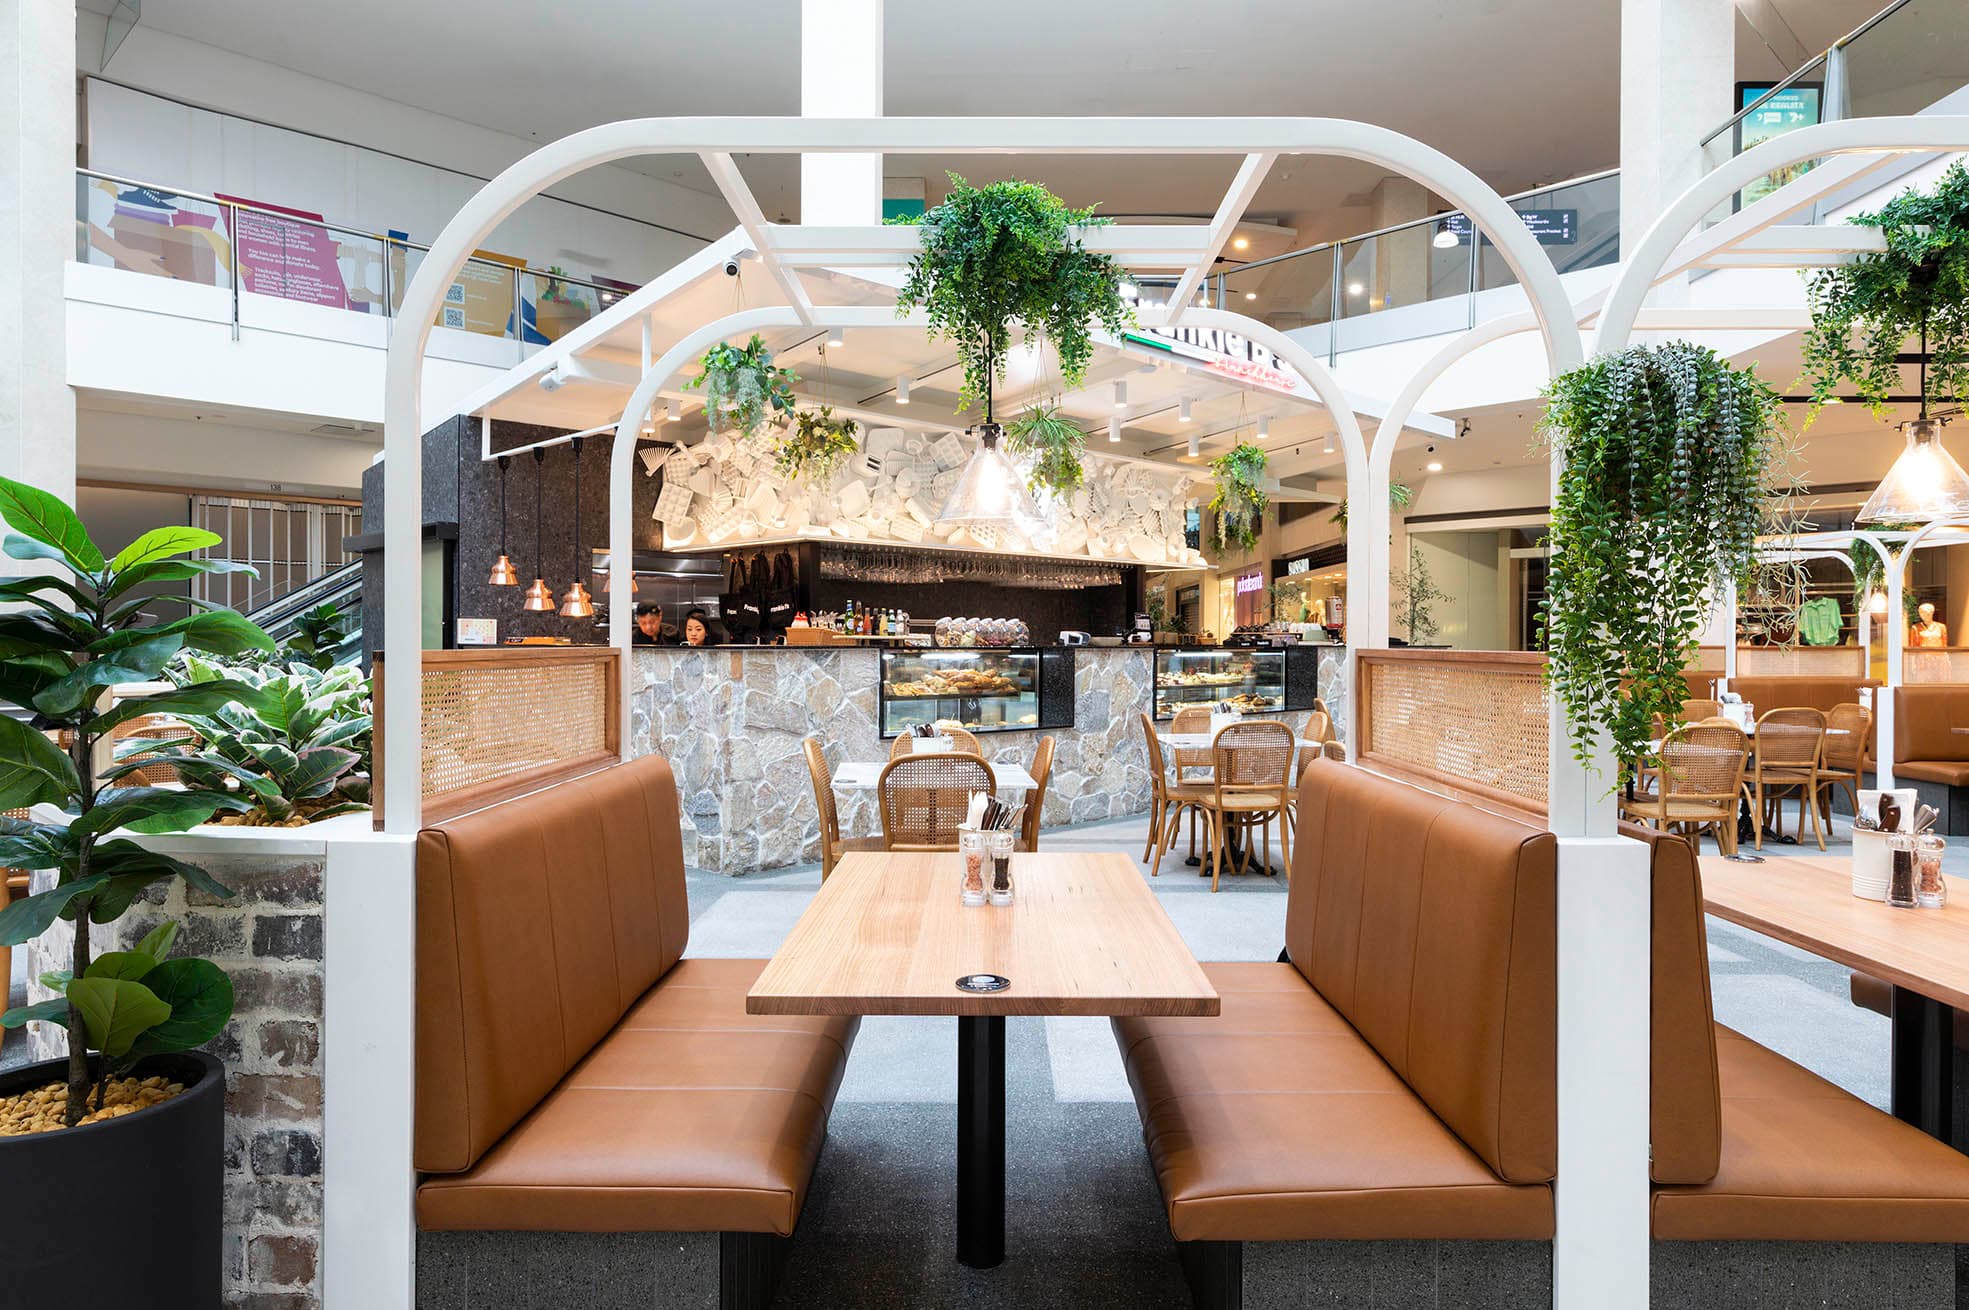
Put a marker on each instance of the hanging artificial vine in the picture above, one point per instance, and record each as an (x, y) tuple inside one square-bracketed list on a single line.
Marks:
[(1400, 496), (1240, 500), (816, 445), (1669, 455), (1918, 288), (1055, 445), (1007, 254), (743, 389)]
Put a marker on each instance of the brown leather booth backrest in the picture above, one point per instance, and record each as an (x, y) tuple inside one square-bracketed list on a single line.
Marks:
[(1778, 691), (1430, 925), (1925, 715), (539, 921), (1685, 1105)]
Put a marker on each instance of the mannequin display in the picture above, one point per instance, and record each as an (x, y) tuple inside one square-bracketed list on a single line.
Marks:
[(1926, 632)]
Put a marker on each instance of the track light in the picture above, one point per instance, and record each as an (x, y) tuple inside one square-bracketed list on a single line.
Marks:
[(1114, 429), (836, 338), (1183, 410), (1196, 445), (902, 390), (1121, 393), (1329, 443), (672, 413), (1264, 426)]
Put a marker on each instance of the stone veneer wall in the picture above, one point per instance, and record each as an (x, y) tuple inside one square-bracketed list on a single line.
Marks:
[(268, 937), (731, 723)]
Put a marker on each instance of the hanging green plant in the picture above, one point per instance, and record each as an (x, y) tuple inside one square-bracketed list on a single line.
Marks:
[(1400, 496), (1240, 500), (1865, 313), (1055, 445), (816, 445), (1669, 461), (743, 389), (1007, 255)]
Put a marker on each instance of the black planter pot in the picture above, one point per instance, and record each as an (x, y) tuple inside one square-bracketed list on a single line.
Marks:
[(123, 1212)]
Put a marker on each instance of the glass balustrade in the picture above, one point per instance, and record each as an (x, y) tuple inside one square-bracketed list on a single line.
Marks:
[(1908, 59)]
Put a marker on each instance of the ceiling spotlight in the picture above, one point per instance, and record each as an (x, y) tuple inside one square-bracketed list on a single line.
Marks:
[(1196, 445), (1251, 295), (1240, 243), (902, 391), (1445, 238), (1183, 411), (1355, 288), (1435, 466), (836, 338), (672, 413), (1121, 393), (553, 379), (1114, 429), (1329, 443), (1264, 426)]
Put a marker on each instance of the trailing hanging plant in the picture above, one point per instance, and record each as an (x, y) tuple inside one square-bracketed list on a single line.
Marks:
[(743, 389), (1669, 458), (1055, 445), (1917, 289), (816, 445), (1400, 496), (1007, 255), (1240, 500)]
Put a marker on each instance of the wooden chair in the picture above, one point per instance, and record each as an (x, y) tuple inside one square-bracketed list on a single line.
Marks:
[(924, 798), (1334, 750), (1790, 744), (1042, 769), (153, 727), (964, 740), (1700, 780), (832, 843), (1169, 800), (1250, 788), (1843, 758), (1695, 711), (1318, 731)]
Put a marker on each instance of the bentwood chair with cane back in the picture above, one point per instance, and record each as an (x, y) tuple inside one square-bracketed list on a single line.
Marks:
[(1191, 721), (1168, 801), (1317, 732), (1695, 711), (1790, 745), (832, 843), (1843, 759), (1700, 778), (1250, 789), (960, 740), (925, 798), (1334, 749), (1042, 769)]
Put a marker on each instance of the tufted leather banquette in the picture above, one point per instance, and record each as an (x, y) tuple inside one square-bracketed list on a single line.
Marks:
[(1396, 1079), (573, 1073)]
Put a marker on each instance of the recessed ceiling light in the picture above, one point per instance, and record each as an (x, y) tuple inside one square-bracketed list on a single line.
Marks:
[(1435, 466), (1241, 243), (1355, 288), (1251, 295)]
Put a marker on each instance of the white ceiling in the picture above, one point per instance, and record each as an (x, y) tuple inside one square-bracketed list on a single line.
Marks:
[(1522, 91)]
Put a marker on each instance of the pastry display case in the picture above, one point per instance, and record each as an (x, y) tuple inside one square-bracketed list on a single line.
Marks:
[(1244, 681), (982, 690)]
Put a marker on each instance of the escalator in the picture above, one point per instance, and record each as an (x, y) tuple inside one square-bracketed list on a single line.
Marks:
[(340, 587)]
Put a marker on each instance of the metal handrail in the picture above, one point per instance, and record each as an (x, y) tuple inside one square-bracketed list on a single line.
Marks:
[(1822, 59)]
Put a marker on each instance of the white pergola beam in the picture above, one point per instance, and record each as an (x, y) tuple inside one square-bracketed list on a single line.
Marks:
[(745, 207), (1141, 246), (1251, 175), (1814, 239)]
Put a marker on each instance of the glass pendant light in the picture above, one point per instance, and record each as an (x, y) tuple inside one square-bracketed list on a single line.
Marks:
[(538, 598), (1925, 483), (503, 572), (577, 603), (990, 490)]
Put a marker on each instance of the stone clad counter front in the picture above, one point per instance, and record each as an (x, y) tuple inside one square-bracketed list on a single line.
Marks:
[(731, 721)]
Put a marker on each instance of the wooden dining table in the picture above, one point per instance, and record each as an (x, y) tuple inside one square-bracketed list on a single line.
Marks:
[(887, 934), (1923, 955), (860, 775)]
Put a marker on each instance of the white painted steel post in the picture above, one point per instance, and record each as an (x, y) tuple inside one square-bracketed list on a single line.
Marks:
[(841, 56)]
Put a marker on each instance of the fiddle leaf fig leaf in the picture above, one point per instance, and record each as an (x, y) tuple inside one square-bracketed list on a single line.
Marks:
[(42, 516), (116, 1012)]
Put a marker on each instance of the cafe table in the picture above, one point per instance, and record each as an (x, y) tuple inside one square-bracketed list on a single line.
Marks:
[(1807, 901), (860, 775), (887, 934)]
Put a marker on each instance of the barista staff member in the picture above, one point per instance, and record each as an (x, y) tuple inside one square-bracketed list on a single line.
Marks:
[(651, 630)]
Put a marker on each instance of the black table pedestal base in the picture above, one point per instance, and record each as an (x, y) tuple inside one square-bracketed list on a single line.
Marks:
[(981, 1140), (1924, 1062)]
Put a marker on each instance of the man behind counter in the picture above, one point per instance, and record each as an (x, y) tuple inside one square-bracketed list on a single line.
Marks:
[(651, 630)]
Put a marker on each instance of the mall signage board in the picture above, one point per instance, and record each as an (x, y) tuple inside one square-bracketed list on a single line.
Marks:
[(1221, 351), (1549, 227)]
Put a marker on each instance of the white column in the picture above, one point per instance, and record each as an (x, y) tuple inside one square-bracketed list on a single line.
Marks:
[(841, 77), (1677, 72), (37, 238)]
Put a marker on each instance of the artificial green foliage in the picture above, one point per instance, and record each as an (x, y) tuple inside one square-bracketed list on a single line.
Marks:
[(1007, 255), (1240, 502), (67, 640), (1400, 496), (1869, 311), (1055, 445), (1416, 596), (324, 637), (1669, 459), (743, 389), (297, 753), (816, 445)]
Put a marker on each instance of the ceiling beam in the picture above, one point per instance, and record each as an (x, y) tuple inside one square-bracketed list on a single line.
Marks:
[(745, 206), (1251, 175)]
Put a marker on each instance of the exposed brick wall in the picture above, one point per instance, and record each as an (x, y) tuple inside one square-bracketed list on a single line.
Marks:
[(268, 937)]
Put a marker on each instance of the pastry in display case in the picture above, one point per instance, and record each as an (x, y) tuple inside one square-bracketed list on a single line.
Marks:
[(1241, 681), (982, 690)]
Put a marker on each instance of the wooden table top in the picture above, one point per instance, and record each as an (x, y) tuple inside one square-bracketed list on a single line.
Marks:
[(886, 934), (1808, 902), (860, 775)]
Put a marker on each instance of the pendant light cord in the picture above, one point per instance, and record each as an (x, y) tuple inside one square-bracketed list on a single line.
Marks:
[(576, 561), (504, 462), (539, 477)]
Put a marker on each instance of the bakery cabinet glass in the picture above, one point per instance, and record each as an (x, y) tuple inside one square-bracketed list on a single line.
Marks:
[(982, 690), (1245, 681)]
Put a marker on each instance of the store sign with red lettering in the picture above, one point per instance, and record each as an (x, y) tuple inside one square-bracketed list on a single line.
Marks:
[(1221, 351)]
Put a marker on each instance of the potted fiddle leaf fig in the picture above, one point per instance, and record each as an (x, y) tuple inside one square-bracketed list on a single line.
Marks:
[(1240, 500), (743, 389), (113, 1154), (1054, 443)]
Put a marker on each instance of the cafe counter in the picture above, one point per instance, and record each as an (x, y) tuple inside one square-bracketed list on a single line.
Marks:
[(731, 721)]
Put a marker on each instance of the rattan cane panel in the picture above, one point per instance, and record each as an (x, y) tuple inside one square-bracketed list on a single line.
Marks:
[(1814, 661), (1463, 721), (484, 723), (1931, 664)]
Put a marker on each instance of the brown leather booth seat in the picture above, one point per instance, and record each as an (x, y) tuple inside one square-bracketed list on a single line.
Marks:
[(573, 1073), (1926, 747), (1777, 691), (1769, 1151), (1397, 1079)]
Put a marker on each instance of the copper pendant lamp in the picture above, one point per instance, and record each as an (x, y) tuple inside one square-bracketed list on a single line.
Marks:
[(577, 604), (539, 599), (503, 572)]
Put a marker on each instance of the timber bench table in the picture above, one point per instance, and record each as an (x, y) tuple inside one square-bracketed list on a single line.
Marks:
[(886, 934)]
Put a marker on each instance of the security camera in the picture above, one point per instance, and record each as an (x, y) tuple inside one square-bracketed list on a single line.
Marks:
[(731, 266), (1432, 448), (552, 379)]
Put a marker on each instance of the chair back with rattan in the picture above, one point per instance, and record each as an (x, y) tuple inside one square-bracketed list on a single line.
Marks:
[(1695, 711), (1042, 769), (151, 727), (1334, 749), (1158, 775), (1253, 756), (961, 740), (823, 780), (1846, 729), (925, 798), (1789, 740), (1191, 721), (1704, 762), (1319, 727)]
